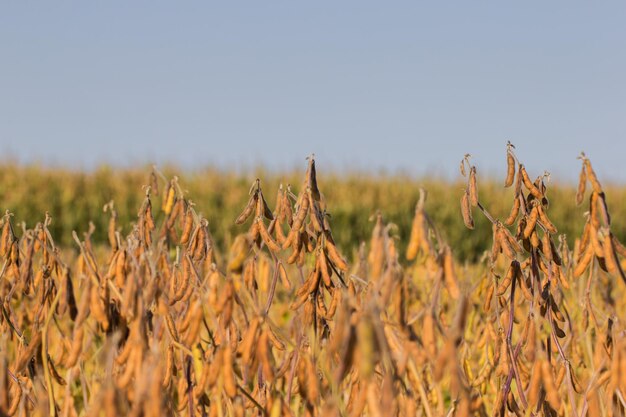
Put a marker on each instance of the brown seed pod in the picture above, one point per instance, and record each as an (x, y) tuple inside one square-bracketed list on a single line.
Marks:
[(76, 347), (85, 306), (472, 187), (269, 241), (300, 299), (202, 243), (322, 265), (315, 215), (428, 335), (529, 184), (177, 212), (544, 220), (307, 379), (228, 373), (335, 301), (503, 360), (169, 199), (561, 276), (610, 257), (298, 248), (552, 392), (449, 275), (238, 253), (264, 355), (546, 248), (308, 312), (531, 222), (274, 340), (602, 209), (187, 317), (284, 278), (248, 210), (279, 233), (591, 175), (247, 344), (263, 273), (7, 237), (443, 359), (226, 305), (120, 268), (534, 239), (98, 308), (467, 211), (594, 217), (169, 366), (300, 216), (41, 238), (488, 298), (187, 227), (185, 280), (15, 401), (14, 256), (201, 376), (510, 169), (27, 264), (507, 243), (171, 326), (286, 209), (514, 212), (195, 324), (311, 179), (508, 278), (334, 256), (279, 214), (510, 239), (415, 239), (535, 384), (484, 374), (216, 367), (112, 265), (131, 365), (249, 273), (322, 311), (312, 283), (596, 244), (584, 261), (68, 298), (147, 215), (377, 254)]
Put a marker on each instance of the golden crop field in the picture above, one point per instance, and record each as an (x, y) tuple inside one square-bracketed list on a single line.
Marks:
[(321, 297)]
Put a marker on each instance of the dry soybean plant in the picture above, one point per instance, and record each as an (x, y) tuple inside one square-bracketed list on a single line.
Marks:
[(160, 322), (542, 356)]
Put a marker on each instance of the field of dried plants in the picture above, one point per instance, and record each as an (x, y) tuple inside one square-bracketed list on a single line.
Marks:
[(280, 316)]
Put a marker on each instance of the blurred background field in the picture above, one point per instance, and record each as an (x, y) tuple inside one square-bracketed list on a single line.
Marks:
[(74, 198)]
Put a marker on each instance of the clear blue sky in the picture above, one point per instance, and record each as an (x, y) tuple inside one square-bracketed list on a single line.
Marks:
[(368, 84)]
